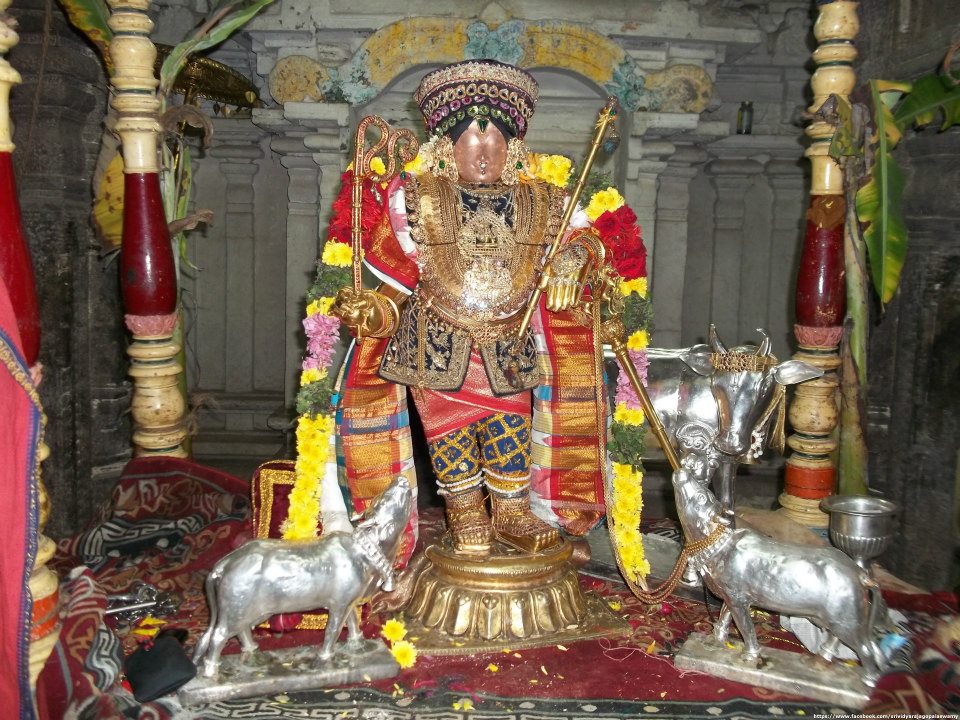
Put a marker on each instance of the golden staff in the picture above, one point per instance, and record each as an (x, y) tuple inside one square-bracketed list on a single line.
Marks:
[(607, 113), (614, 333), (362, 157), (613, 329)]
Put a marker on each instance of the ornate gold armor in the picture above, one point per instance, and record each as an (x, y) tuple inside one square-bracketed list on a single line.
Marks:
[(481, 250)]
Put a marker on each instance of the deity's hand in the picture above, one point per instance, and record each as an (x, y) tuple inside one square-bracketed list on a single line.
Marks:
[(367, 313), (564, 277)]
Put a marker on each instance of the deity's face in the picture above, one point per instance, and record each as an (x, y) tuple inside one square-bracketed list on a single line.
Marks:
[(480, 155)]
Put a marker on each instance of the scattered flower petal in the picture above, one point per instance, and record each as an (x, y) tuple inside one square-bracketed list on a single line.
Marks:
[(393, 630)]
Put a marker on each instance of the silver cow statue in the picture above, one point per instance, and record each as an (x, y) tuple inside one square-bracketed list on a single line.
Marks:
[(266, 577), (736, 394), (745, 569)]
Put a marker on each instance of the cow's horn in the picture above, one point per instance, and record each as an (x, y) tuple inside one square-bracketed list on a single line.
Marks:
[(715, 341), (764, 349)]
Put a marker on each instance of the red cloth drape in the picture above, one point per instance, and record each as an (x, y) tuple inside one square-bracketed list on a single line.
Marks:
[(19, 440)]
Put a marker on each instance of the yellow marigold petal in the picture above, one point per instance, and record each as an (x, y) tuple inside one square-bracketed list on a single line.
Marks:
[(405, 653), (416, 166), (638, 340), (554, 169), (337, 254), (603, 201), (320, 305), (312, 375), (377, 166), (393, 630), (628, 416), (637, 285)]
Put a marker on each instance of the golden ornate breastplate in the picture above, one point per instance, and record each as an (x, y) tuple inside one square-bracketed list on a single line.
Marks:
[(480, 252), (480, 248)]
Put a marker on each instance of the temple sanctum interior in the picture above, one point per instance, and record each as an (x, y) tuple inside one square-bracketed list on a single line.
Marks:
[(168, 243)]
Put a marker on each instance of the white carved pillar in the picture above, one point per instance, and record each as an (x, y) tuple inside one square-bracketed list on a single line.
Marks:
[(730, 179), (670, 264), (238, 152)]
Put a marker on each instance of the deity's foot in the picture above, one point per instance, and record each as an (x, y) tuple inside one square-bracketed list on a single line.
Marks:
[(516, 525), (468, 522)]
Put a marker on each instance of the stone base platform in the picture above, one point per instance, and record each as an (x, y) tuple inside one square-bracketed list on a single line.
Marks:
[(269, 672)]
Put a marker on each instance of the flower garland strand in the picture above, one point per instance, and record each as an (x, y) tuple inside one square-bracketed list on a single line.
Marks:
[(315, 426)]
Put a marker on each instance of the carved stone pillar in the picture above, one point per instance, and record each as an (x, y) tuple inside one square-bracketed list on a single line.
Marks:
[(302, 245), (821, 296), (730, 179), (311, 140), (147, 272), (670, 263), (238, 153)]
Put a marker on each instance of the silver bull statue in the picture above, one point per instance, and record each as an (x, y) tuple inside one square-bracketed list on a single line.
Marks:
[(266, 577), (745, 569), (738, 395)]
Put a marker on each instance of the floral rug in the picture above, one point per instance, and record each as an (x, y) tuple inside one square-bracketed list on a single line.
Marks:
[(171, 520)]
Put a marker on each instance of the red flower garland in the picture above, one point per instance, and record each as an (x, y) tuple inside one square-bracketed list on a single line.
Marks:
[(621, 237), (372, 210)]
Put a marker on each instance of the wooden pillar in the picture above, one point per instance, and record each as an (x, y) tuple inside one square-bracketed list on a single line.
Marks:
[(147, 270), (821, 296), (16, 270)]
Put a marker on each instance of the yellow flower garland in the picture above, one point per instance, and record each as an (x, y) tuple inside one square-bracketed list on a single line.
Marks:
[(553, 169), (313, 449), (627, 483), (337, 254), (603, 201)]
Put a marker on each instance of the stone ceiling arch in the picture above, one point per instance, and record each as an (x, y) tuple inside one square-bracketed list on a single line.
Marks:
[(415, 42)]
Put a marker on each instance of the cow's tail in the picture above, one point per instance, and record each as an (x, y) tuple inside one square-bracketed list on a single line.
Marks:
[(878, 614), (210, 585)]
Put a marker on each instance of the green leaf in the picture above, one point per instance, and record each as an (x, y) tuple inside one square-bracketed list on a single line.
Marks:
[(852, 465), (930, 97), (846, 141), (858, 291), (90, 17), (626, 444), (885, 234), (879, 205), (229, 17), (183, 201)]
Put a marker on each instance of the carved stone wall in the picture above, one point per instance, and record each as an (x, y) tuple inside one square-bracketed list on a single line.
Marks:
[(914, 360), (58, 112), (720, 213)]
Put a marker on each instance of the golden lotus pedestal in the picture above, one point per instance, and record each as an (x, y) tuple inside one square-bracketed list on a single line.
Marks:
[(462, 604)]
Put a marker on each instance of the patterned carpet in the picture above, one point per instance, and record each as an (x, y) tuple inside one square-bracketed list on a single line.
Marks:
[(171, 520)]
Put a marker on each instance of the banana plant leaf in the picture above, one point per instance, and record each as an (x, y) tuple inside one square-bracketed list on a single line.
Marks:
[(852, 465), (931, 96), (879, 204), (227, 18), (108, 205), (90, 17)]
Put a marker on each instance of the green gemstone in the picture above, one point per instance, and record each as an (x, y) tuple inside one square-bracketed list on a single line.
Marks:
[(519, 166), (442, 164), (403, 174)]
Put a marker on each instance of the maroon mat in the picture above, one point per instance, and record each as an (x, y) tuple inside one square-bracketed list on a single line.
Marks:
[(193, 516)]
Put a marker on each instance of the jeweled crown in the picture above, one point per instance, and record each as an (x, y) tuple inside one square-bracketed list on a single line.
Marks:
[(477, 88)]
